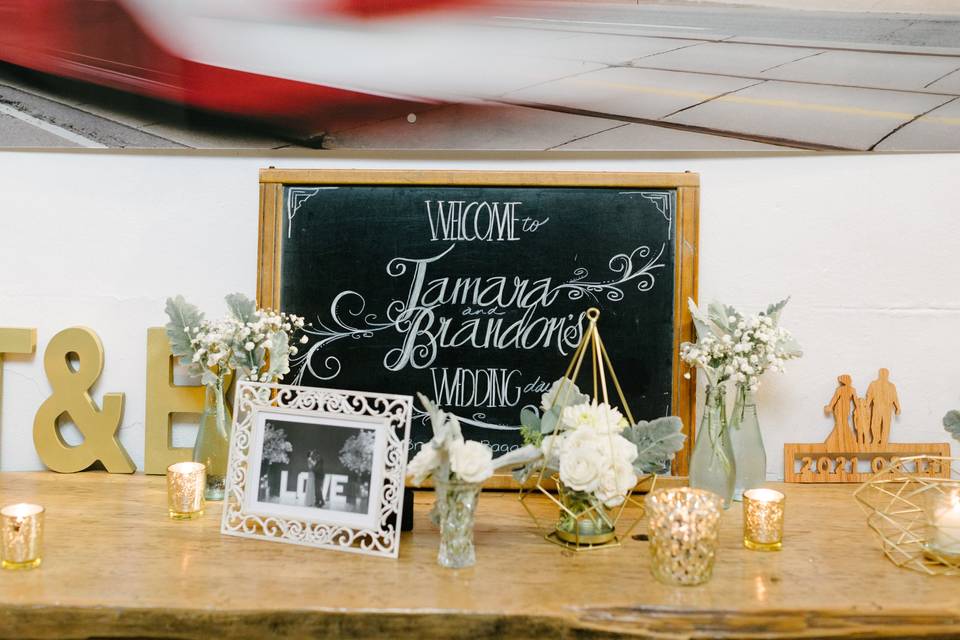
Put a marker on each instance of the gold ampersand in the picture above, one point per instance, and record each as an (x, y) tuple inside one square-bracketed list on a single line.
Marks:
[(71, 396)]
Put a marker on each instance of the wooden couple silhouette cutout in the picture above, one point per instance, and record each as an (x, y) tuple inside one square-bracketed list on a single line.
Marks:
[(871, 415), (859, 444)]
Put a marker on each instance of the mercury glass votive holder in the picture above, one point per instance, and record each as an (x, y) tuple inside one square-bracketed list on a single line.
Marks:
[(684, 534), (763, 519), (185, 485), (22, 526)]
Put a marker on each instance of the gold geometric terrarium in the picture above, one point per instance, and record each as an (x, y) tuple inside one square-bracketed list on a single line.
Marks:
[(916, 515), (583, 526)]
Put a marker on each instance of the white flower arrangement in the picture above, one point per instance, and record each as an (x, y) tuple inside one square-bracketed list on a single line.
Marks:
[(255, 343), (448, 456), (590, 454), (595, 452), (732, 346)]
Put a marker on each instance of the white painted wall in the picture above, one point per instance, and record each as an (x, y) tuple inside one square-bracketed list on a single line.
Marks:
[(866, 244)]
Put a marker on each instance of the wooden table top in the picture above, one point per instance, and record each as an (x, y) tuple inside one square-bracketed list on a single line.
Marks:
[(115, 565)]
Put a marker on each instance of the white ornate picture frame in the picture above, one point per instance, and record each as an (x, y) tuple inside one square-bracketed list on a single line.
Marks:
[(346, 453)]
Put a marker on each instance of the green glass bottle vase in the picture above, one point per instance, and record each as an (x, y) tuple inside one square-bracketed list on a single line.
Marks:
[(748, 453), (213, 439), (712, 464)]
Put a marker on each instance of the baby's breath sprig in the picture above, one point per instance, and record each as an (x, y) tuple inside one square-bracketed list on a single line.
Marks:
[(254, 343)]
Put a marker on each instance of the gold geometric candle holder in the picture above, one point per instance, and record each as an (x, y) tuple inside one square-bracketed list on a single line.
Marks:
[(763, 519), (594, 527), (185, 485), (22, 536), (915, 514)]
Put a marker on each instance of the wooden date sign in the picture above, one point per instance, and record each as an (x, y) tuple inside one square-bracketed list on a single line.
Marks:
[(859, 444)]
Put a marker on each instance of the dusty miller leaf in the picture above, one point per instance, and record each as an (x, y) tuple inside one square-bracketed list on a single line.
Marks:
[(951, 423), (530, 419), (700, 320), (774, 310), (550, 420), (657, 442), (565, 393), (530, 427), (720, 314), (279, 355), (241, 307), (182, 314)]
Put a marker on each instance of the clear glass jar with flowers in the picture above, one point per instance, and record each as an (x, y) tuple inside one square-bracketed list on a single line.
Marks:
[(249, 344), (458, 468)]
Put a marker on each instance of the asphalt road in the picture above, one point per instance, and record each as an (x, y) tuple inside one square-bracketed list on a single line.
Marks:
[(602, 76)]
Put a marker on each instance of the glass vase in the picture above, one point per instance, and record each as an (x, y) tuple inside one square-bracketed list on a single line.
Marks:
[(749, 455), (453, 512), (213, 440), (582, 522), (712, 464)]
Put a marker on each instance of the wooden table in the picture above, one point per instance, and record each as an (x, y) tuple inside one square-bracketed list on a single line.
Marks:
[(116, 566)]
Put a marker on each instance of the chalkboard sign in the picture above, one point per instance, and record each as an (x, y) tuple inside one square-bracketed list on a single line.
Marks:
[(472, 287)]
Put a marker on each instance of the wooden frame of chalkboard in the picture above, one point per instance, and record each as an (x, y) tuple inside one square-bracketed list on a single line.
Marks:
[(683, 223)]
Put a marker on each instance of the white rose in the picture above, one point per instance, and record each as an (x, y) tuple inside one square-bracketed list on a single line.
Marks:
[(618, 449), (580, 468), (615, 481), (472, 461), (423, 464), (580, 439)]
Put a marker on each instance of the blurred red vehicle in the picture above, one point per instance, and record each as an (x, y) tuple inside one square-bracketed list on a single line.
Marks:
[(296, 63)]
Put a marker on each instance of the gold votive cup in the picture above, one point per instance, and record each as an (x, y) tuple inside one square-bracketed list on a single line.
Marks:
[(22, 526), (185, 485), (684, 534), (763, 519)]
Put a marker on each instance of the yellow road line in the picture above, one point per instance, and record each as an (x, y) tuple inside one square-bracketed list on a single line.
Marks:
[(767, 102)]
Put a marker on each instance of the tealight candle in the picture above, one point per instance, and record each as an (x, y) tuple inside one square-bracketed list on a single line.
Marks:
[(22, 531), (763, 519), (945, 534), (185, 485)]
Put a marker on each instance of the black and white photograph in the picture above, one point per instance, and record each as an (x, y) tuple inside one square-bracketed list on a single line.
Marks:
[(318, 467), (326, 466)]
